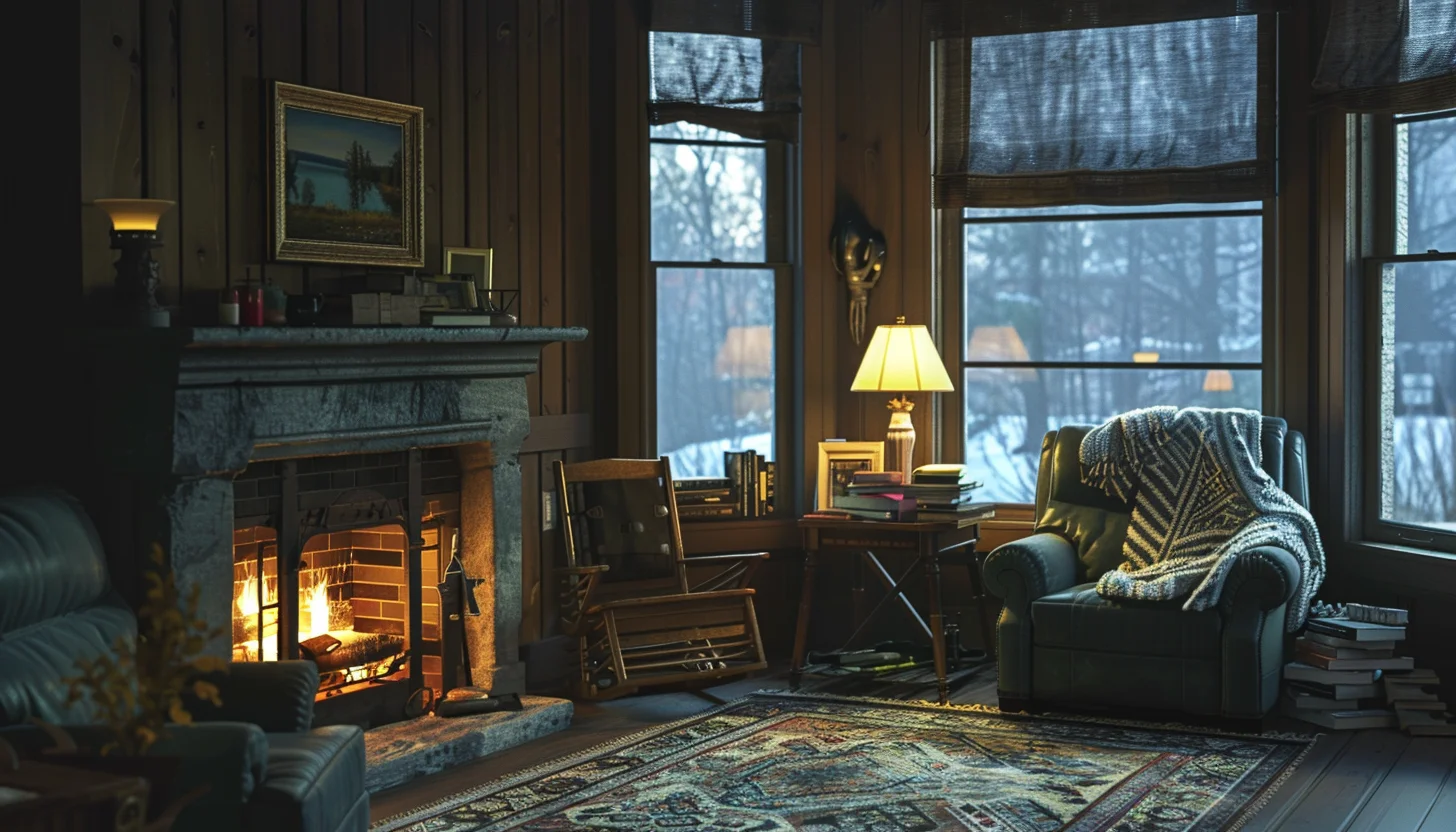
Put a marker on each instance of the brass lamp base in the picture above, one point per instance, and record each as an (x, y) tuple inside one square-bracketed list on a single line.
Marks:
[(900, 439)]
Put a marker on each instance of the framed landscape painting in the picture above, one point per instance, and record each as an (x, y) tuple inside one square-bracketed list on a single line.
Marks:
[(347, 179)]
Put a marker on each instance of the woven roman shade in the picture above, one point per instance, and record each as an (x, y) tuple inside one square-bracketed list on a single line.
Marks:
[(1066, 102), (730, 64), (1390, 56)]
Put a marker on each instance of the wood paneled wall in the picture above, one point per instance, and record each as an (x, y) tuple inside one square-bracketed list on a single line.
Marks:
[(174, 105)]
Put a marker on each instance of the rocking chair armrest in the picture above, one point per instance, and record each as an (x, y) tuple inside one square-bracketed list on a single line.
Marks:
[(733, 571)]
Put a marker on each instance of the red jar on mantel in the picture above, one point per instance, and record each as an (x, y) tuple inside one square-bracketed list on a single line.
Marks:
[(250, 306)]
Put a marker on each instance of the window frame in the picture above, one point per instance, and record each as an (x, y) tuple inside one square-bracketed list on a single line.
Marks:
[(1375, 238), (781, 198)]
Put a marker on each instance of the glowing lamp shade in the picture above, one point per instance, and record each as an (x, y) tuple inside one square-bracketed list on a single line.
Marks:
[(902, 358), (1218, 381), (1144, 358), (746, 352), (998, 343), (134, 214)]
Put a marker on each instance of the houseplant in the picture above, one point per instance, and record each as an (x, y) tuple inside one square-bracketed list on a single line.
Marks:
[(138, 688)]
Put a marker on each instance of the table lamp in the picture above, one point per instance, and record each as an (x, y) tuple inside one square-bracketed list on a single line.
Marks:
[(901, 358), (134, 234)]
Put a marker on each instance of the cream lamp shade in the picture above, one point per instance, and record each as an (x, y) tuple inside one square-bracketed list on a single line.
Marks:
[(902, 358), (998, 343), (134, 214), (1218, 381)]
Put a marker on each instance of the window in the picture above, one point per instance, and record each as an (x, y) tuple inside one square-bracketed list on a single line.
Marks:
[(719, 251), (1410, 287), (1075, 314)]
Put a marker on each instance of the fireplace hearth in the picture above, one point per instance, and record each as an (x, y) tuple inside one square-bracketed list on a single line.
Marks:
[(312, 481)]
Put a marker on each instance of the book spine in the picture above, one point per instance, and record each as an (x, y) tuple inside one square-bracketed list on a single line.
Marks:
[(755, 504), (705, 511), (769, 471)]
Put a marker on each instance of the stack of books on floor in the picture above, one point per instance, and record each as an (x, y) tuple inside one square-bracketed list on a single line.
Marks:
[(935, 493), (746, 492), (1335, 680), (1346, 675)]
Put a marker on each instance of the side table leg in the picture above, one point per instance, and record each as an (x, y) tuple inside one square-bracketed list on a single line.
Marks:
[(801, 627), (937, 622)]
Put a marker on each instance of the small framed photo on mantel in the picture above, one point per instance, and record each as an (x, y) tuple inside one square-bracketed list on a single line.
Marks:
[(837, 463)]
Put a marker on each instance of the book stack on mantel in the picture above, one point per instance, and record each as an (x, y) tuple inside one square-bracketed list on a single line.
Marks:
[(935, 494), (1346, 670), (747, 491)]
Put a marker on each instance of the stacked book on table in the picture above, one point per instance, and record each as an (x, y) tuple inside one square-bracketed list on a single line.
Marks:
[(935, 494), (1346, 672), (747, 490)]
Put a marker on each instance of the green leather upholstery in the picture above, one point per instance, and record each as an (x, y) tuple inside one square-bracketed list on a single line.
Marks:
[(1057, 640), (263, 766)]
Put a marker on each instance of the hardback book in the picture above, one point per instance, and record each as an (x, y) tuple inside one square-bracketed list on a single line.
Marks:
[(1397, 690), (889, 501), (1301, 672), (455, 317), (1312, 702), (1336, 641), (1419, 705), (952, 508), (701, 483), (1356, 630), (876, 478), (770, 472), (695, 498), (939, 473), (1377, 615), (1346, 720), (1333, 652), (1423, 675), (1338, 691), (717, 511), (1321, 660), (925, 516), (867, 514), (1427, 723), (945, 493)]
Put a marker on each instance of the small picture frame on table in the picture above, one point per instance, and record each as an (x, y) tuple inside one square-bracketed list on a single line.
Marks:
[(838, 461)]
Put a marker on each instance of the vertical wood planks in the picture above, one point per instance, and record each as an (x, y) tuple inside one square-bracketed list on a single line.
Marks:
[(451, 121), (479, 46), (503, 140), (162, 107), (321, 26), (425, 55), (352, 43), (203, 248), (387, 57), (247, 125), (531, 588), (528, 62), (552, 213), (576, 281), (111, 127), (281, 59), (822, 304)]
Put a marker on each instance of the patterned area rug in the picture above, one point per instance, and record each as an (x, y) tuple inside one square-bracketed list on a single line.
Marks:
[(775, 761)]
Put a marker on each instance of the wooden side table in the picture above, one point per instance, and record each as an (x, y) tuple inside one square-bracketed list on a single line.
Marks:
[(932, 544)]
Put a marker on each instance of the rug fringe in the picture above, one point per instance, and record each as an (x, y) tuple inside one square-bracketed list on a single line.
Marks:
[(1263, 799)]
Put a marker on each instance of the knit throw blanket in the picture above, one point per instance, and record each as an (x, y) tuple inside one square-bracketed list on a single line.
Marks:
[(1200, 498)]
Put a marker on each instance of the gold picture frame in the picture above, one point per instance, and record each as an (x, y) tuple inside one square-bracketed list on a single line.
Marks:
[(346, 180), (479, 263), (837, 460)]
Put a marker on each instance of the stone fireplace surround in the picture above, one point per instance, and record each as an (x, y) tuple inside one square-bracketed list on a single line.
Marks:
[(179, 413)]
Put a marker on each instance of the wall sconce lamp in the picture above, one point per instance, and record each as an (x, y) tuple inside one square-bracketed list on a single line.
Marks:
[(134, 234)]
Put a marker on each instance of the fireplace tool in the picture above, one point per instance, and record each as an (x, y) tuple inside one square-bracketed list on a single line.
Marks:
[(457, 600)]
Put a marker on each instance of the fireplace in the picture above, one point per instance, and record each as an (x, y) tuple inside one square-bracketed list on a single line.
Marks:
[(312, 482), (353, 595)]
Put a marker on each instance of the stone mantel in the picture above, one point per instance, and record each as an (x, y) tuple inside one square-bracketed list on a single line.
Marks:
[(179, 412)]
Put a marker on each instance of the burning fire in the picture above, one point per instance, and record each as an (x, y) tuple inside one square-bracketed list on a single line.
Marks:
[(313, 613)]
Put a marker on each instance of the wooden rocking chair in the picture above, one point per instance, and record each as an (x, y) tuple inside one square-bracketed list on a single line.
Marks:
[(625, 592)]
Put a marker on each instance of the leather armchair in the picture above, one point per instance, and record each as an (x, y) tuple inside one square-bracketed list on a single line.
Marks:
[(1058, 641), (265, 766)]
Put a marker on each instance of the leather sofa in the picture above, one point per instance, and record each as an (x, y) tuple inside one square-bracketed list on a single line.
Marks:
[(265, 766), (1059, 642)]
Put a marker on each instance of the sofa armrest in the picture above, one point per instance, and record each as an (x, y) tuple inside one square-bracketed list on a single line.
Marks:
[(1027, 569), (229, 758), (276, 696), (1262, 578), (1019, 573)]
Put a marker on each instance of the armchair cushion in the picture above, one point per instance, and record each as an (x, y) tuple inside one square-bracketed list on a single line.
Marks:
[(277, 696), (315, 781), (1079, 618)]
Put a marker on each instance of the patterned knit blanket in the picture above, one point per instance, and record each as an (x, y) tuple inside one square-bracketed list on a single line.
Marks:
[(1200, 497)]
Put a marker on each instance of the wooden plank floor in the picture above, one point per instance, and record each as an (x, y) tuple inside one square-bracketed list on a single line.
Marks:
[(1370, 781)]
